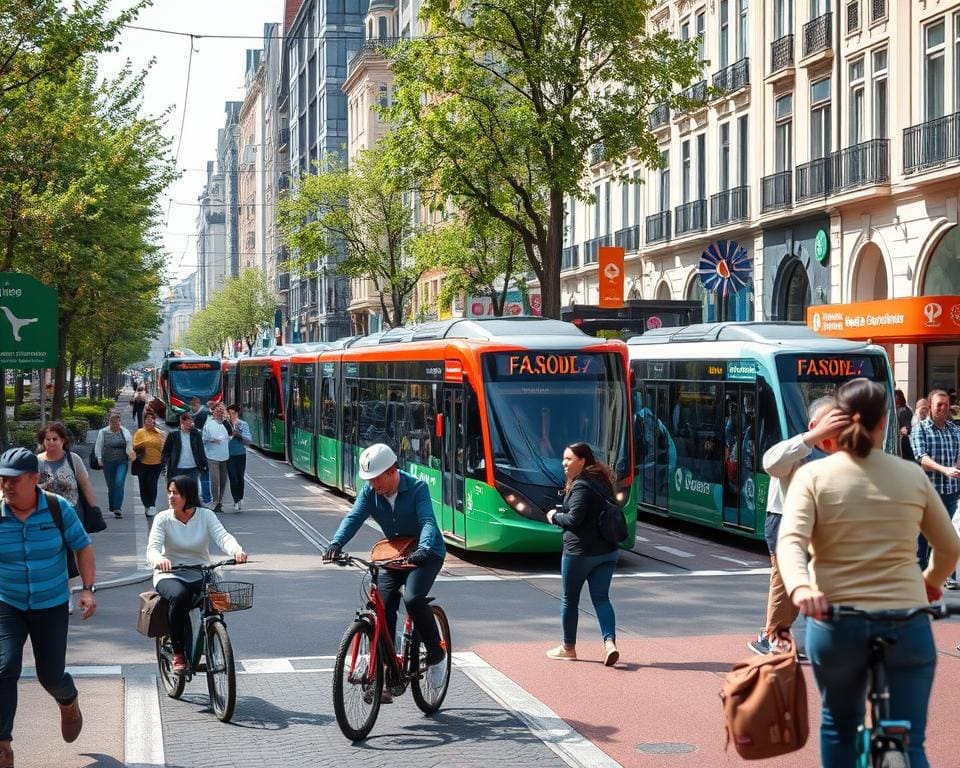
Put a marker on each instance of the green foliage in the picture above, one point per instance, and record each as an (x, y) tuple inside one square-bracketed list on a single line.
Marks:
[(23, 434), (78, 428), (31, 410), (94, 415), (242, 309), (9, 392)]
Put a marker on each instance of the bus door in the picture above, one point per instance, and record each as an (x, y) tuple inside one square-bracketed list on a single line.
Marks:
[(740, 456), (348, 460), (653, 459), (454, 447)]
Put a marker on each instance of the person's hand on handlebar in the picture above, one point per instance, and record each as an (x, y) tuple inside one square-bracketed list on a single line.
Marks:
[(810, 603), (332, 553), (418, 556), (164, 565), (240, 556)]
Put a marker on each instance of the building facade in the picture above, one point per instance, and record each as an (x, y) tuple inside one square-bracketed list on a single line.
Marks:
[(212, 257), (251, 171)]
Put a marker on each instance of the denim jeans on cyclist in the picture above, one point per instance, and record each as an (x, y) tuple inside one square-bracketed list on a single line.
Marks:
[(416, 583), (839, 653), (597, 571), (180, 595)]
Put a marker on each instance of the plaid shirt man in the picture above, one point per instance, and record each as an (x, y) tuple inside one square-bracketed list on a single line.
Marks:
[(942, 446)]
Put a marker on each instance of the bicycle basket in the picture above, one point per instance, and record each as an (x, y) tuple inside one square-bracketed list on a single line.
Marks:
[(231, 596)]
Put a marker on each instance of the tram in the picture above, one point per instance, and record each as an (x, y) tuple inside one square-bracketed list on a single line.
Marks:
[(710, 399), (185, 375), (481, 410)]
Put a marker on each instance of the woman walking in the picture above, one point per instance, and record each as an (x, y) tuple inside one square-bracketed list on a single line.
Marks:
[(237, 463), (587, 556), (114, 451), (148, 445), (138, 403)]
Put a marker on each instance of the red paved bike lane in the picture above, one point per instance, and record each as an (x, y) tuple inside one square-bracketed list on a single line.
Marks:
[(663, 695)]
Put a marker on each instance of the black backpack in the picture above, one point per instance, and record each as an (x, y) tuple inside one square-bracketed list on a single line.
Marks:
[(611, 521)]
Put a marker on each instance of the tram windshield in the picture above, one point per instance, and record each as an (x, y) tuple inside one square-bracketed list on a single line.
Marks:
[(538, 403), (807, 377), (197, 381)]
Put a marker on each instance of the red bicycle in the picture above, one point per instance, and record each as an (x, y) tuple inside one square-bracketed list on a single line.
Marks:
[(368, 661)]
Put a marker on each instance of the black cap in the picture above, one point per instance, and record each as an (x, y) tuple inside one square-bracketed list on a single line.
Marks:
[(18, 461)]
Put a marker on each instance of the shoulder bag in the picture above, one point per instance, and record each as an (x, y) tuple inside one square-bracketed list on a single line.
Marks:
[(153, 615), (54, 504), (90, 514), (611, 521), (393, 549)]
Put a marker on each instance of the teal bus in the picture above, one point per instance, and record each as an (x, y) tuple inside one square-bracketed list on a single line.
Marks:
[(479, 409), (185, 375), (710, 399)]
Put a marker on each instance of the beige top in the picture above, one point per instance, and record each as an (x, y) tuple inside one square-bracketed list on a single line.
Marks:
[(860, 518)]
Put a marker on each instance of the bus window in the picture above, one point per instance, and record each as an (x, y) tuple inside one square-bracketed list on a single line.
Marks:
[(769, 432), (373, 410), (476, 465), (394, 423), (695, 424), (328, 407)]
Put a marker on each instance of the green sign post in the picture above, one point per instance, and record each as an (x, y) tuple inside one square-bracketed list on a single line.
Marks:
[(29, 323)]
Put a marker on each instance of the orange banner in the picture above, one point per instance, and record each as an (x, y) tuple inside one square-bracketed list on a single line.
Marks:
[(610, 276), (911, 320)]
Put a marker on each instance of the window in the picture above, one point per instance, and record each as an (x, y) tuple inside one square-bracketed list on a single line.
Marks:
[(724, 33), (596, 210), (384, 96), (701, 22), (880, 94), (637, 178), (783, 18), (725, 157), (624, 204), (956, 63), (665, 180), (382, 27), (743, 151), (685, 178), (606, 207), (933, 73), (685, 30), (820, 140), (573, 220), (857, 100), (783, 139), (743, 44)]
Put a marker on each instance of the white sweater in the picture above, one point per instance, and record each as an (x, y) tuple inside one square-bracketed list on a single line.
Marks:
[(187, 544)]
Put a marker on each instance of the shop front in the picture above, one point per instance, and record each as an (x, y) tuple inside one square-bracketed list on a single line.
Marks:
[(796, 263)]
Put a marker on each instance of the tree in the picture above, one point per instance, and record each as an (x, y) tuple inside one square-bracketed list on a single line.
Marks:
[(501, 104), (365, 209), (242, 309)]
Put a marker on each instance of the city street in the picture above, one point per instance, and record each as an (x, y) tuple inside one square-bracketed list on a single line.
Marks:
[(686, 604)]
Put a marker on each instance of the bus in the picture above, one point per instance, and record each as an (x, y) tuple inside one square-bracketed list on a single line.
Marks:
[(480, 409), (185, 375), (710, 399)]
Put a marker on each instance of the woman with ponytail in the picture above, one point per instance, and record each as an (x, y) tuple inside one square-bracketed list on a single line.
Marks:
[(857, 513)]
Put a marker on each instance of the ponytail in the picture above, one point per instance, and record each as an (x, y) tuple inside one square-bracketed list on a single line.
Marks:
[(865, 402)]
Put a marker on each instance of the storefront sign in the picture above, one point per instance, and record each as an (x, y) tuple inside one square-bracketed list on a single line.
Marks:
[(821, 246), (610, 276), (911, 320)]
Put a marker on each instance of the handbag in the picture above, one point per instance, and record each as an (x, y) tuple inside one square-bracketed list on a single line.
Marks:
[(153, 615), (136, 466), (393, 549), (94, 461)]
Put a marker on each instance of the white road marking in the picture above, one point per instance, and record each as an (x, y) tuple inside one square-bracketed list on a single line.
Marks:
[(143, 729), (93, 670), (267, 666), (641, 538), (672, 551), (634, 575), (745, 563)]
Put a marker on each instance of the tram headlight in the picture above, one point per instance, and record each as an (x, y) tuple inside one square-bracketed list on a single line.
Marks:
[(520, 503)]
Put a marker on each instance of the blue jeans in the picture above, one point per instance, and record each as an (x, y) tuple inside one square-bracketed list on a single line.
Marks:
[(115, 473), (597, 571), (205, 496), (839, 652), (47, 629)]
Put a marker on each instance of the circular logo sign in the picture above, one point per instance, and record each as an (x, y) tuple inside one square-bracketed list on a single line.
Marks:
[(821, 246), (655, 322)]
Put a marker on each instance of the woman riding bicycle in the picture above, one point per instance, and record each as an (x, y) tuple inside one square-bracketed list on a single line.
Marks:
[(858, 512), (401, 506), (181, 535)]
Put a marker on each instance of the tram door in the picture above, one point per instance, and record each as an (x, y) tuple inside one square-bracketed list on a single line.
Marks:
[(454, 448), (653, 444), (740, 459), (348, 459)]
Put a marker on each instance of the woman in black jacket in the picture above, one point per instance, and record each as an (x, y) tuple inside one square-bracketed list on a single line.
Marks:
[(587, 556)]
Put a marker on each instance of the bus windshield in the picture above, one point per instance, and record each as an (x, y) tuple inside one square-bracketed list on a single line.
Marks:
[(806, 377), (194, 382), (538, 403)]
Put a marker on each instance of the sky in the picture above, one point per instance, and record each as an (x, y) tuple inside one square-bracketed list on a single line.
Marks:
[(216, 75)]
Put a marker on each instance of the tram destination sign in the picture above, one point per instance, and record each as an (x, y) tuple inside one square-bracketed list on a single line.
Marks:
[(547, 365), (812, 368)]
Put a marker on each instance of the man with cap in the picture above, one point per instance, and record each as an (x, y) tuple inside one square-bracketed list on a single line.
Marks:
[(34, 592), (401, 506)]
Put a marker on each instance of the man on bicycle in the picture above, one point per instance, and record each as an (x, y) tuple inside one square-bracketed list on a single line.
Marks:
[(401, 506)]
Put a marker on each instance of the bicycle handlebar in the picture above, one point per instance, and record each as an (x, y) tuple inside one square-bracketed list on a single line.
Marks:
[(344, 559), (936, 610), (212, 567)]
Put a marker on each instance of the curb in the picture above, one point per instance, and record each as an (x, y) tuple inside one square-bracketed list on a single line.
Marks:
[(123, 581)]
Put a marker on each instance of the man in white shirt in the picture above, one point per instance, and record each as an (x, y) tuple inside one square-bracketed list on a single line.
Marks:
[(216, 445)]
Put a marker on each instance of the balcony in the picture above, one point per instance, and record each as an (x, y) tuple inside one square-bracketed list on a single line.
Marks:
[(282, 255), (690, 217), (861, 165), (659, 116), (371, 49), (781, 54), (814, 179), (658, 227), (597, 153), (283, 139), (628, 238), (591, 249), (695, 97), (853, 16), (729, 206), (777, 191), (931, 144), (570, 257), (283, 282), (733, 78), (818, 34), (878, 10), (283, 181)]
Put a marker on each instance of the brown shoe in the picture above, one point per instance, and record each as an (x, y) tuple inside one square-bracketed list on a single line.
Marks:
[(611, 654), (71, 720), (6, 755), (180, 665), (563, 652)]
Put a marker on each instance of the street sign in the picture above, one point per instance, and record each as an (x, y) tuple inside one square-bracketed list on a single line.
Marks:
[(29, 326)]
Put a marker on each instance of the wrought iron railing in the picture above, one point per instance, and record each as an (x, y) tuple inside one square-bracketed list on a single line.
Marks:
[(597, 153), (690, 217), (729, 206), (861, 165), (818, 34), (659, 115), (853, 16), (781, 53), (371, 49), (734, 77), (776, 191), (878, 10), (697, 94), (628, 238), (932, 143), (570, 257), (658, 227), (815, 179), (591, 249)]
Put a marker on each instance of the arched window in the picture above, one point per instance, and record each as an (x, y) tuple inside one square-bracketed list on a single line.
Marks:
[(796, 293), (942, 277), (383, 32), (663, 291)]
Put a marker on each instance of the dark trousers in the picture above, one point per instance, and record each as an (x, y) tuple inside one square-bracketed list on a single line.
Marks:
[(236, 468), (147, 479), (48, 635), (416, 585), (138, 413), (180, 596)]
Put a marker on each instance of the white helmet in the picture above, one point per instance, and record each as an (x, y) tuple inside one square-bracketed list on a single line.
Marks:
[(376, 460)]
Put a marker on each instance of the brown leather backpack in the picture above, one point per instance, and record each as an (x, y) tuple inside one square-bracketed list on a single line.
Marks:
[(152, 618), (765, 706)]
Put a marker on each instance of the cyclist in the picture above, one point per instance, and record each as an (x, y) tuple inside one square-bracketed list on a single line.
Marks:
[(401, 506), (858, 512)]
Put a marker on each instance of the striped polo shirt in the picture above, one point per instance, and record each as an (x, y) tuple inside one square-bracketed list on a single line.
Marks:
[(33, 564)]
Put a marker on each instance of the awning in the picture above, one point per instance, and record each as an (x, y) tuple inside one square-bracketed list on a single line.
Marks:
[(911, 320)]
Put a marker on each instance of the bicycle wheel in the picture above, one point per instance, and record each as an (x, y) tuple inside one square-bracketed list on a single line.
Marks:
[(173, 684), (356, 687), (221, 673), (429, 697), (893, 760)]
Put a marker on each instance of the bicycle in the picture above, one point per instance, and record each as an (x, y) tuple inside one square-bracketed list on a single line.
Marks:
[(210, 640), (884, 743), (367, 659)]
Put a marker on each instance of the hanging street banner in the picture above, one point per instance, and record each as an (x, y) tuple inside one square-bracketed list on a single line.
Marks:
[(610, 276), (28, 328)]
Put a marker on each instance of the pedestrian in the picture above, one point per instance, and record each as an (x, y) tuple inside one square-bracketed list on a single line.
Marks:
[(114, 450), (216, 446), (936, 445), (920, 411), (148, 445), (183, 450), (138, 402), (240, 436), (200, 413), (62, 472), (587, 556), (34, 592), (780, 462), (857, 513), (904, 424)]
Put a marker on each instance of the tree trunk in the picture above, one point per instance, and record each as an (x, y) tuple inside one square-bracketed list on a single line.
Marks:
[(59, 374), (72, 393), (550, 255)]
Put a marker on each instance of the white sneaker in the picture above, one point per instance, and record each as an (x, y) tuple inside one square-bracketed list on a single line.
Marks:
[(236, 506), (151, 511), (435, 673)]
